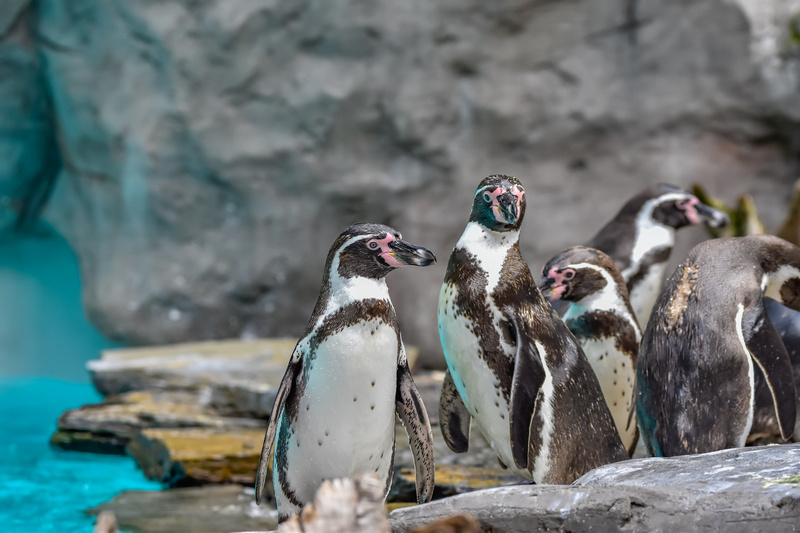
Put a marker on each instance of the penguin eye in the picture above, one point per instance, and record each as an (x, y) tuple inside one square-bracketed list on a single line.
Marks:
[(569, 274), (373, 245), (487, 198)]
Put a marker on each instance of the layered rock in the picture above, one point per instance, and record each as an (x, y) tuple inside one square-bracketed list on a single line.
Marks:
[(212, 151)]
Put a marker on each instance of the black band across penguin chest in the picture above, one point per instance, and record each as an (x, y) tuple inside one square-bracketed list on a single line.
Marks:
[(605, 324)]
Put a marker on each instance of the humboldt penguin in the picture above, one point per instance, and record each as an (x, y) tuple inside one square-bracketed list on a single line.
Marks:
[(708, 331), (640, 238), (601, 318), (334, 413), (512, 365)]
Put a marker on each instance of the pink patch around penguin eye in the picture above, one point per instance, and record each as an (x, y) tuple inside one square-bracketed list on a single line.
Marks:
[(688, 206), (385, 251)]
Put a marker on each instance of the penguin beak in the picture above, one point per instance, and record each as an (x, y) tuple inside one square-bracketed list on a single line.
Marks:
[(405, 254), (546, 286), (507, 203), (712, 217)]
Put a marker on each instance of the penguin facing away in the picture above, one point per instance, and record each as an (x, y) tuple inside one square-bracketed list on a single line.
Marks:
[(334, 413), (601, 318), (641, 235), (708, 332), (512, 365)]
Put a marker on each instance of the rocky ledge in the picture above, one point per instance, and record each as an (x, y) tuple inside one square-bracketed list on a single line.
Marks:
[(740, 490)]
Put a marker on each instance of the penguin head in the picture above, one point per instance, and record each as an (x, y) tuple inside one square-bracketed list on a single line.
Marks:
[(372, 251), (578, 272), (499, 203), (677, 208)]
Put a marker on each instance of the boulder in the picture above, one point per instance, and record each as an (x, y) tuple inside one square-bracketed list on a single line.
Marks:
[(209, 509), (748, 490), (214, 150)]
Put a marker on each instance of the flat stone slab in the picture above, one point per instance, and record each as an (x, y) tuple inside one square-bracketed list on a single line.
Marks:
[(107, 427), (208, 509), (197, 456), (761, 493)]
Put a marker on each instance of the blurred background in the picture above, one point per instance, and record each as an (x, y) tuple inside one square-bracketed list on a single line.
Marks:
[(177, 170)]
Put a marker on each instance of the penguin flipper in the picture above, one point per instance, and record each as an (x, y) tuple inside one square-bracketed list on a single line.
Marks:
[(285, 388), (454, 418), (529, 375), (768, 351), (412, 413)]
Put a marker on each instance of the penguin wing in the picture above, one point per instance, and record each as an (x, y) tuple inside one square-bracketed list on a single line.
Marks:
[(412, 413), (454, 418), (285, 388), (528, 377), (767, 349)]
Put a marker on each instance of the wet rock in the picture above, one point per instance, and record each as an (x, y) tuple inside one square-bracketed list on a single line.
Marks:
[(729, 491), (108, 426), (209, 509), (343, 506)]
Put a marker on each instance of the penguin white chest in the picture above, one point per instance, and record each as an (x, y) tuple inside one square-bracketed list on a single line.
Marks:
[(643, 295), (346, 417), (616, 375), (477, 384)]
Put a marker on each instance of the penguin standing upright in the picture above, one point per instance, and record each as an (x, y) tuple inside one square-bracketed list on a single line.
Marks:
[(641, 235), (601, 318), (334, 413), (513, 366), (708, 331)]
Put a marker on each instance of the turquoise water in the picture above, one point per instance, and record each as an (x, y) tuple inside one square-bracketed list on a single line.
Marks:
[(45, 489)]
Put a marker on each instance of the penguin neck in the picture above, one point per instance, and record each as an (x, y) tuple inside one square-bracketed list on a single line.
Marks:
[(650, 234), (479, 239), (773, 282), (489, 248), (345, 290), (608, 298)]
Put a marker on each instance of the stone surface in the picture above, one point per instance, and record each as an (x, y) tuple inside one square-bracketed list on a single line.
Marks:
[(728, 491), (212, 151), (108, 426), (210, 509), (193, 456)]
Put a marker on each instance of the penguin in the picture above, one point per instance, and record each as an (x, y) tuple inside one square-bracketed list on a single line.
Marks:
[(641, 235), (708, 332), (765, 423), (513, 367), (334, 412), (601, 318)]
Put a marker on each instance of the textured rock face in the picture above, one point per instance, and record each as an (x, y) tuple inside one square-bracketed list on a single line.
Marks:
[(213, 150), (727, 491)]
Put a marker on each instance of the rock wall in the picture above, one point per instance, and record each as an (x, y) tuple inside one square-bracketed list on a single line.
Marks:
[(213, 149)]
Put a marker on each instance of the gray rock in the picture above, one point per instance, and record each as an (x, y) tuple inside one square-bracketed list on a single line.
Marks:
[(210, 509), (750, 469), (724, 491), (214, 150)]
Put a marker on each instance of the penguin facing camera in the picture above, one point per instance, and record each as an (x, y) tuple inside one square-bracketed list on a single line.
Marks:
[(512, 365), (601, 318), (334, 413), (708, 332)]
